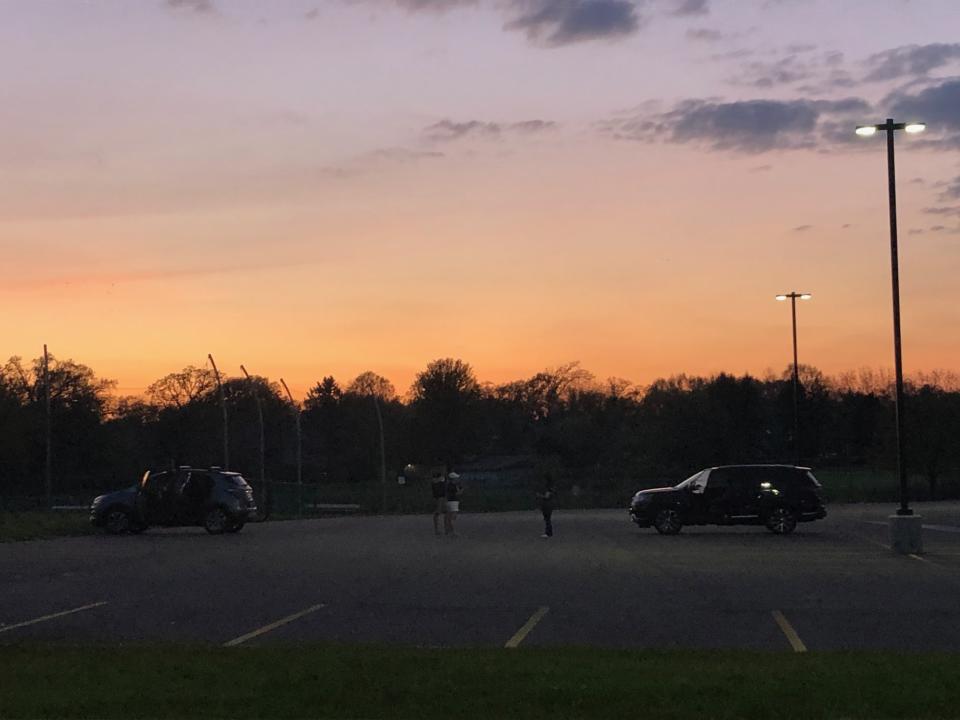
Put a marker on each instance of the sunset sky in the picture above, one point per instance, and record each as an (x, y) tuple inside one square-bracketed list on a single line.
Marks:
[(325, 187)]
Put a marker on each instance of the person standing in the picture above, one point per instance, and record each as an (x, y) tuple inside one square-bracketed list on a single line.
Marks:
[(453, 492), (439, 491), (546, 506)]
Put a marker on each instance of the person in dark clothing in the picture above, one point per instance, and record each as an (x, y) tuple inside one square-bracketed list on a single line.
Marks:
[(453, 491), (439, 491), (546, 506)]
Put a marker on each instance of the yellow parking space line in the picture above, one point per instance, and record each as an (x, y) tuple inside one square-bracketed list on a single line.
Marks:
[(527, 627), (795, 642), (272, 626), (52, 616)]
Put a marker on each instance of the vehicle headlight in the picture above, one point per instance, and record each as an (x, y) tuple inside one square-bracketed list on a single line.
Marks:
[(640, 498)]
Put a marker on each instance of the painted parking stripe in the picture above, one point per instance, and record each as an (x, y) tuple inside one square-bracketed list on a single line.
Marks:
[(527, 627), (272, 626), (939, 528), (795, 642), (52, 616)]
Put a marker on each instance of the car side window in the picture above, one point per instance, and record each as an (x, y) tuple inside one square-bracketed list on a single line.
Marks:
[(747, 480), (719, 479)]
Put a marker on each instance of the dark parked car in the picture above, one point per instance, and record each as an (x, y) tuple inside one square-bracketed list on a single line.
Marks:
[(219, 501), (778, 496)]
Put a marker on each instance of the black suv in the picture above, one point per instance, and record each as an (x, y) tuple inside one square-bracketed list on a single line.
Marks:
[(219, 501), (778, 496)]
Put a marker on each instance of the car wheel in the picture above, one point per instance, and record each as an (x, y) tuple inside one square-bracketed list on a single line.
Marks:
[(781, 521), (668, 522), (236, 527), (117, 521), (216, 521)]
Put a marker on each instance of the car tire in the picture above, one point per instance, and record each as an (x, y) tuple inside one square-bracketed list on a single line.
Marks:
[(668, 522), (781, 521), (216, 521), (236, 527), (117, 521)]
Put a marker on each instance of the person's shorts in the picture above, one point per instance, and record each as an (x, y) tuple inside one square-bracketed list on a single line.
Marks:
[(453, 506), (440, 505)]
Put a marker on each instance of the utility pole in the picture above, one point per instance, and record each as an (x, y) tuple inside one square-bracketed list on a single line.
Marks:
[(48, 463), (223, 407), (263, 470), (296, 417), (383, 458)]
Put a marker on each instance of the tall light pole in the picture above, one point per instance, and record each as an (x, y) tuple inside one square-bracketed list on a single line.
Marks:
[(793, 296), (263, 453), (866, 131), (223, 408), (296, 416)]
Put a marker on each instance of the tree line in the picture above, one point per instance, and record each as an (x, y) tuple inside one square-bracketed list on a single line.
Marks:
[(563, 418)]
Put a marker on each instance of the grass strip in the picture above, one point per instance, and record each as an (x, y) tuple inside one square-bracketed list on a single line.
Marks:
[(37, 525), (399, 682)]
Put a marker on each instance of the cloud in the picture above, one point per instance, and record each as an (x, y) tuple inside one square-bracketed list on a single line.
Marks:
[(404, 155), (745, 125), (448, 130), (692, 7), (197, 6), (910, 61), (761, 168), (938, 106), (802, 228), (952, 191), (948, 211), (846, 226), (820, 73), (553, 23), (562, 22), (705, 34)]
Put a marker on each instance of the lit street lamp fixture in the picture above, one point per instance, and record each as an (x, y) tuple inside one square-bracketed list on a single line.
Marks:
[(793, 296), (909, 541)]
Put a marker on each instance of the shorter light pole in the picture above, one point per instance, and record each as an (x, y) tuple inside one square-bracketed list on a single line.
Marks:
[(793, 296), (296, 417)]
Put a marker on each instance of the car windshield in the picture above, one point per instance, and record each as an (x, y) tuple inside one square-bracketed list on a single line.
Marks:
[(236, 481), (689, 481)]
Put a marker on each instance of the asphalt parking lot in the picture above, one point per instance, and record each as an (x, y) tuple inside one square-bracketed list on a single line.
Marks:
[(600, 582)]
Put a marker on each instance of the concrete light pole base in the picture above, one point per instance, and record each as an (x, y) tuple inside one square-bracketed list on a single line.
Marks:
[(905, 536)]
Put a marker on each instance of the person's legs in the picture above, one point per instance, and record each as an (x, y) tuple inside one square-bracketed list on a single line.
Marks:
[(440, 506), (547, 524)]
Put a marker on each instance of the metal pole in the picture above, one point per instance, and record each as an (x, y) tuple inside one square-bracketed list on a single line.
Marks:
[(898, 361), (223, 407), (383, 459), (296, 416), (48, 461), (263, 452), (796, 383)]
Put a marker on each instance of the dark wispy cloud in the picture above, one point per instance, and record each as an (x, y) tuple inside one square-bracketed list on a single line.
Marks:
[(691, 7), (818, 72), (197, 6), (910, 61), (551, 23), (705, 34), (743, 125), (948, 211), (937, 105), (449, 130), (802, 228), (562, 22), (952, 190)]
